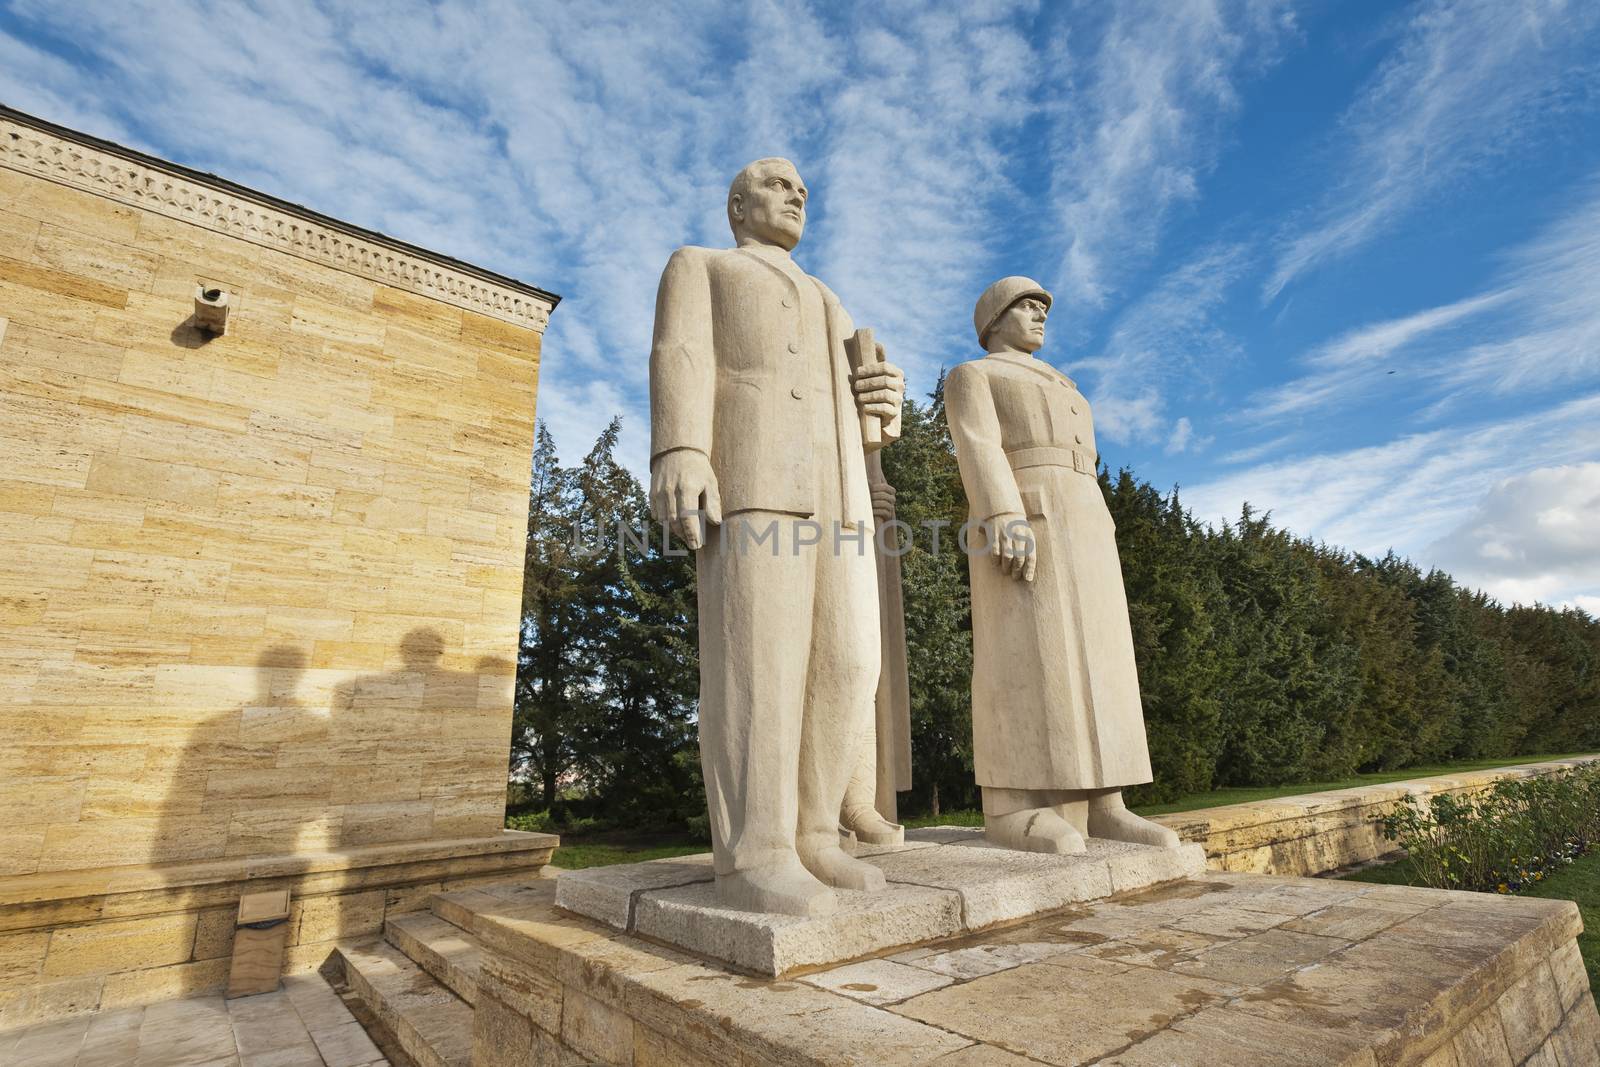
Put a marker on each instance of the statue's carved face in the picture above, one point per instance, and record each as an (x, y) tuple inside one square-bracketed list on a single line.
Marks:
[(772, 207), (1020, 327)]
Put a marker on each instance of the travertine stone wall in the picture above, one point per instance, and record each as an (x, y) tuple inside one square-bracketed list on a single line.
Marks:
[(259, 593)]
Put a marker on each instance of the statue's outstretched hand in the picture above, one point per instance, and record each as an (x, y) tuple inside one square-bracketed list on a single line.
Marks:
[(683, 495), (1013, 546), (879, 388)]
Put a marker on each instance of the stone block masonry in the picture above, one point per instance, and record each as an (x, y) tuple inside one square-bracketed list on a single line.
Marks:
[(1314, 833), (259, 592)]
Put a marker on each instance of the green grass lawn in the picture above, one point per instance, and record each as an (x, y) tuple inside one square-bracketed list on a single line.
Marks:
[(623, 847), (581, 853), (1579, 882), (602, 849), (1218, 797), (949, 818)]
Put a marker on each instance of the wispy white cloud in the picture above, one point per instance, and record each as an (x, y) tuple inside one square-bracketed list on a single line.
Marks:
[(1138, 121), (1555, 339), (1181, 437), (913, 173), (1167, 338), (1335, 362), (1251, 453), (1409, 492), (1469, 80), (1536, 326)]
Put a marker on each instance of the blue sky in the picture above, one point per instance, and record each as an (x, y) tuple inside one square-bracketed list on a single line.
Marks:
[(1341, 260)]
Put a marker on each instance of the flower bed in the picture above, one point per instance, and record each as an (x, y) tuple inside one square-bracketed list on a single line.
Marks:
[(1504, 839)]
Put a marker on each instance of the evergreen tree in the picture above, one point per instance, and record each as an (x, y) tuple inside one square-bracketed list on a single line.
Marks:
[(551, 673), (1171, 597), (938, 608), (638, 629)]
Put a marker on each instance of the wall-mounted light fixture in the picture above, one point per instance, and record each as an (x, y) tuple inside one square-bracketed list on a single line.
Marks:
[(211, 310)]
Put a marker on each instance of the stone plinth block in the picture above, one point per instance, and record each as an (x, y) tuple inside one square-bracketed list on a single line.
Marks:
[(1000, 885), (942, 882), (690, 917)]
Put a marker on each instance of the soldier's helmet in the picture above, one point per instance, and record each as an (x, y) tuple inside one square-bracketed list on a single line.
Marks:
[(1001, 295)]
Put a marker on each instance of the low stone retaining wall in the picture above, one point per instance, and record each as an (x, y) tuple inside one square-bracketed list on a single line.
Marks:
[(1319, 832), (112, 937)]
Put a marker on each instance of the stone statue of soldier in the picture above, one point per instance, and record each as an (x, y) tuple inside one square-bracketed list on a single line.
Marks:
[(757, 428), (1057, 723)]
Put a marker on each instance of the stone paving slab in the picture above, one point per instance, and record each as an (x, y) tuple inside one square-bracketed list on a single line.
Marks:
[(942, 881), (1243, 970), (304, 1024)]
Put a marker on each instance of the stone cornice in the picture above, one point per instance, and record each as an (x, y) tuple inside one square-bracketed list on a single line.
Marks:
[(33, 146)]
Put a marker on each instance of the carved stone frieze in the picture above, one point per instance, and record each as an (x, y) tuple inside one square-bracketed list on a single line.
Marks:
[(141, 181)]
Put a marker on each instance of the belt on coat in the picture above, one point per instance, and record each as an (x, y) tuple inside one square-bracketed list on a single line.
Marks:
[(1052, 456)]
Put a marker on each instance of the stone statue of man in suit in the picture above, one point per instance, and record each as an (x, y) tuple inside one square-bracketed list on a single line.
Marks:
[(758, 463)]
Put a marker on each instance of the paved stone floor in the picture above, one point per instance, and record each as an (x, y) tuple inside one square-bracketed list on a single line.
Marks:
[(1224, 970), (304, 1024)]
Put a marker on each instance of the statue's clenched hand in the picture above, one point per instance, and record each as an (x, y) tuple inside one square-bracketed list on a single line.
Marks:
[(1013, 546), (879, 388), (683, 494), (883, 497)]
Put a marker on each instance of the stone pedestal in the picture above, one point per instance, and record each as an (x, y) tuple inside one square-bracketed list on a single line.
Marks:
[(943, 882), (1245, 970)]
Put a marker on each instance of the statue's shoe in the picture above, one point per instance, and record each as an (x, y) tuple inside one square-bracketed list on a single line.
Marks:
[(783, 889), (870, 828), (1034, 830), (1116, 823), (831, 865)]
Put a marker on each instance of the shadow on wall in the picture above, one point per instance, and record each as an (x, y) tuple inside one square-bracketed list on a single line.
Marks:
[(319, 759)]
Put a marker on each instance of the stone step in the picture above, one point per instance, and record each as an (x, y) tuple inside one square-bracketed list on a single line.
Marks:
[(466, 908), (441, 948), (431, 1024)]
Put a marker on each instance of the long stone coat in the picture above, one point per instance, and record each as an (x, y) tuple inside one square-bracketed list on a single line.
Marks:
[(1055, 693)]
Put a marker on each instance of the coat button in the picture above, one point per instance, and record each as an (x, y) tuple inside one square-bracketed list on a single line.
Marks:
[(1078, 437), (1074, 409), (788, 303), (797, 394), (794, 346)]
